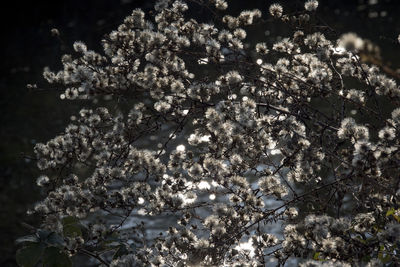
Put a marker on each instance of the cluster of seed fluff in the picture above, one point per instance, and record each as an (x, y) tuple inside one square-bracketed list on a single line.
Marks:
[(225, 138), (337, 240)]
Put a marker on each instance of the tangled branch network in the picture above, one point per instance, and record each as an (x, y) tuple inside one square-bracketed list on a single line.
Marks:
[(240, 150)]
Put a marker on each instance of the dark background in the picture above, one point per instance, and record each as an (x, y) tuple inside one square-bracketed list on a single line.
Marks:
[(30, 116)]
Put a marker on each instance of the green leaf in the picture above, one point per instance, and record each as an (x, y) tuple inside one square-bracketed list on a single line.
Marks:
[(28, 238), (390, 212), (70, 220), (71, 227), (366, 258), (122, 250), (72, 230), (54, 239), (54, 257), (383, 259), (29, 256), (316, 256), (360, 239), (43, 234)]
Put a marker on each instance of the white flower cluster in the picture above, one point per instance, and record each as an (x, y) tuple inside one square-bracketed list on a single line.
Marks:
[(224, 144)]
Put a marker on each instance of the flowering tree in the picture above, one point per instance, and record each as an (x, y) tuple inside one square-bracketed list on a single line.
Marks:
[(216, 141)]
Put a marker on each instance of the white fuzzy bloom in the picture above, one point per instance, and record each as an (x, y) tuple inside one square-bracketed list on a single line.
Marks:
[(43, 180), (311, 5), (387, 133), (351, 42), (80, 47), (276, 10), (221, 4), (272, 185), (396, 115), (262, 48)]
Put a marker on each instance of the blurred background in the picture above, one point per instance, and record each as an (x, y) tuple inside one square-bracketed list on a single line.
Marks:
[(29, 116)]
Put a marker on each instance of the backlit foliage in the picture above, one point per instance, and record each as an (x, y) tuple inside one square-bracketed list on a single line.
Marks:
[(223, 139)]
